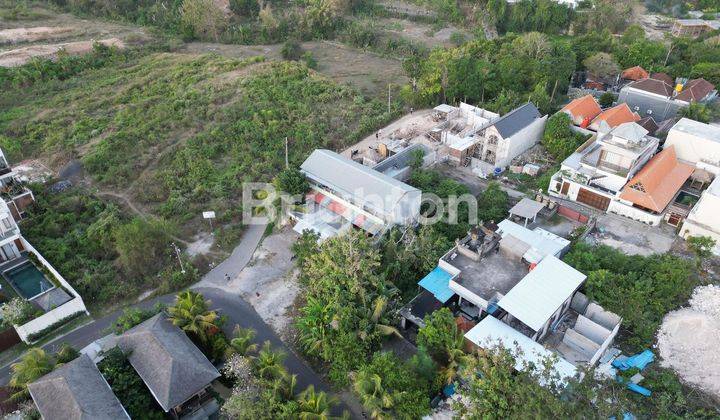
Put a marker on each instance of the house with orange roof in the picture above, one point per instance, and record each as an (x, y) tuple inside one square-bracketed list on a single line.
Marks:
[(582, 110), (653, 188), (634, 73), (696, 90), (613, 117)]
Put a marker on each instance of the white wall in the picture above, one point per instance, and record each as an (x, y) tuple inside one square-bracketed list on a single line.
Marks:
[(63, 311), (691, 148), (510, 148), (619, 208), (40, 323)]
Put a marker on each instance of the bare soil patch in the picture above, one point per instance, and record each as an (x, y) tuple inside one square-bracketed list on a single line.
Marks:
[(39, 33), (421, 33), (20, 56), (364, 70)]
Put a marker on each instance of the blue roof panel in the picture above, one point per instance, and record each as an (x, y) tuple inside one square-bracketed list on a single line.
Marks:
[(437, 282)]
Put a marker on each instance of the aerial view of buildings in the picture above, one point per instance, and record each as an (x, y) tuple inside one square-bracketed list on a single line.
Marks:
[(224, 209)]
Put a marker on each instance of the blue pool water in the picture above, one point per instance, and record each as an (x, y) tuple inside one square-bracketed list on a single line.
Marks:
[(28, 280)]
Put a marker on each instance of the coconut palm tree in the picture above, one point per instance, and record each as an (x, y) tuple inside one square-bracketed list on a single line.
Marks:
[(375, 315), (34, 364), (373, 396), (313, 325), (284, 387), (242, 341), (192, 315), (314, 405), (456, 359), (269, 362)]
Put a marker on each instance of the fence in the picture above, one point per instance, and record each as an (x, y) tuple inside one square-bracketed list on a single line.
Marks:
[(572, 214), (8, 338)]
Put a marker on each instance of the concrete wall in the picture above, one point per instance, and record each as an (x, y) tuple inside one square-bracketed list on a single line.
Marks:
[(49, 318), (691, 148), (69, 308), (510, 148), (619, 208)]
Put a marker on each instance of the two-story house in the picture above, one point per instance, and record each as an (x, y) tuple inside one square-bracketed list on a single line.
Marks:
[(598, 170)]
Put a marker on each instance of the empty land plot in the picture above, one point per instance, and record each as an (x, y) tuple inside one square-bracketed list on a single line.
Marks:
[(21, 56), (366, 71)]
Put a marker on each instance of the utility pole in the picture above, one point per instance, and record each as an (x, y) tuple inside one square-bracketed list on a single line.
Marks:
[(177, 253), (287, 163)]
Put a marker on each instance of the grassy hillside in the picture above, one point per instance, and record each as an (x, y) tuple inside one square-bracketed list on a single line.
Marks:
[(178, 134)]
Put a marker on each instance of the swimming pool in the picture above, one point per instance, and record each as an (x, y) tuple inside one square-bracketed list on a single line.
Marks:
[(27, 280)]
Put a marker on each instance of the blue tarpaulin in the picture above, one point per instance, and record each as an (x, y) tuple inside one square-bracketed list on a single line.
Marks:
[(637, 361), (437, 282)]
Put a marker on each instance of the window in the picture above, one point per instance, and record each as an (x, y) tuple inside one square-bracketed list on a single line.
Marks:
[(6, 223)]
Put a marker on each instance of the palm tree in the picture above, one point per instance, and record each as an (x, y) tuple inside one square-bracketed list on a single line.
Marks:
[(34, 364), (314, 405), (373, 396), (191, 314), (284, 387), (242, 341), (269, 362), (375, 314), (313, 325), (456, 359)]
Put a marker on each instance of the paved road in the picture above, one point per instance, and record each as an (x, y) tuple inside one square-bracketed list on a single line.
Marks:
[(237, 310)]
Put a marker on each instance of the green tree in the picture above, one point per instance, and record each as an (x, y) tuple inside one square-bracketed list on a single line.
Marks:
[(269, 362), (696, 111), (34, 364), (607, 99), (242, 341), (292, 181), (388, 390), (602, 65), (292, 50), (205, 18), (66, 353), (314, 405), (127, 385), (701, 246), (142, 245), (493, 203), (558, 138), (439, 335), (708, 71), (245, 8), (496, 389), (190, 312)]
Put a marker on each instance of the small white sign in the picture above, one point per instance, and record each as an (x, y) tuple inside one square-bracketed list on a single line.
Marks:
[(208, 215)]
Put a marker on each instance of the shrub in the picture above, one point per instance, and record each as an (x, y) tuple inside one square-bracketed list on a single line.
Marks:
[(52, 327), (17, 311), (291, 50)]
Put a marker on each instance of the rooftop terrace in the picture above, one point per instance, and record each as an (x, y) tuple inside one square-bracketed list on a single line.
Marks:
[(491, 277)]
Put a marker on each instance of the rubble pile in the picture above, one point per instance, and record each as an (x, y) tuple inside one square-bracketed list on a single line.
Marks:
[(689, 338)]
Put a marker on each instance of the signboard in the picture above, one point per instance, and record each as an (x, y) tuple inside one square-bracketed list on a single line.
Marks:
[(208, 215)]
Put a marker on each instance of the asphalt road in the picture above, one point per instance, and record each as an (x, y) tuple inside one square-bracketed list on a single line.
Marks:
[(234, 307)]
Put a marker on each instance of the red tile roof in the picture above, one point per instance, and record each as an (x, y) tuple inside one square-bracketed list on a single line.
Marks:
[(635, 73), (582, 108), (664, 77), (656, 86), (615, 116), (695, 90), (657, 182)]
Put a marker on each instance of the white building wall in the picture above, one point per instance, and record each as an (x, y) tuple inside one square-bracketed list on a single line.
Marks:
[(692, 148), (49, 318), (514, 146), (623, 209)]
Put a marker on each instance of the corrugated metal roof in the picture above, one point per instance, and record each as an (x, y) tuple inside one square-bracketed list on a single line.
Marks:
[(527, 208), (354, 179), (544, 242), (493, 332), (517, 119), (538, 295)]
